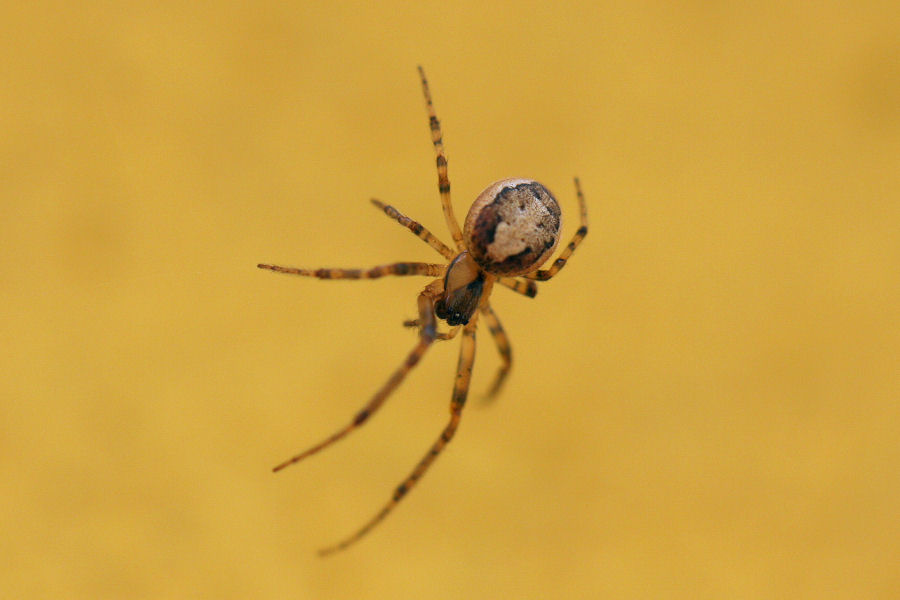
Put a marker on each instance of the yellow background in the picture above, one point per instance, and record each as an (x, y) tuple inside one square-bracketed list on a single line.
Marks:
[(704, 403)]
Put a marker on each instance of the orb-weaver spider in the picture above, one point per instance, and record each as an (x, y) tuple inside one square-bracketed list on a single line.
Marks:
[(512, 229)]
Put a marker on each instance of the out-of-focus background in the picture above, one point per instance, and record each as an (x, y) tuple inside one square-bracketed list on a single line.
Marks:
[(704, 402)]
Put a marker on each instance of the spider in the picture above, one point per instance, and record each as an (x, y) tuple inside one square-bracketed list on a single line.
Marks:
[(512, 228)]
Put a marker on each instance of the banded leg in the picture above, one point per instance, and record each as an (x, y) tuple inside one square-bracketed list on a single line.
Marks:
[(460, 391), (426, 338), (437, 139), (419, 231), (526, 288), (503, 347), (451, 333), (560, 262), (401, 268)]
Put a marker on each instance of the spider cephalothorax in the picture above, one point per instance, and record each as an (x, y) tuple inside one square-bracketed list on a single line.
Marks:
[(512, 229), (463, 287)]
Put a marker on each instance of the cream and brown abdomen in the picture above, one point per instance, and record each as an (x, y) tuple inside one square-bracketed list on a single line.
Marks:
[(513, 227)]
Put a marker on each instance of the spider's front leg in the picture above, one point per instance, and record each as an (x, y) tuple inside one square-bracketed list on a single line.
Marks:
[(457, 401), (401, 268), (503, 347), (427, 335)]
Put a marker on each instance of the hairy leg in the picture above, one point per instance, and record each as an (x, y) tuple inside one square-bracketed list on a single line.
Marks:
[(417, 229), (460, 391), (503, 347), (401, 268), (427, 336), (560, 262), (526, 288), (437, 139)]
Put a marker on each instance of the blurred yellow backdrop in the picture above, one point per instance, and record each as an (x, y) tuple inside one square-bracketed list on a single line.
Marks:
[(704, 403)]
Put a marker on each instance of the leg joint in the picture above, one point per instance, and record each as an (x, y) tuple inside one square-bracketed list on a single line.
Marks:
[(400, 491), (361, 417)]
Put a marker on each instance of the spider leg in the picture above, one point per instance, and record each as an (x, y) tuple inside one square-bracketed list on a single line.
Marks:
[(420, 231), (427, 335), (526, 288), (401, 268), (503, 347), (437, 139), (460, 391), (451, 333), (560, 262)]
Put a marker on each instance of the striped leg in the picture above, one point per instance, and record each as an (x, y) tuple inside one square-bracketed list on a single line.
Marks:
[(437, 139), (426, 337), (503, 347), (560, 262), (451, 333), (420, 232), (460, 391), (402, 268), (526, 288)]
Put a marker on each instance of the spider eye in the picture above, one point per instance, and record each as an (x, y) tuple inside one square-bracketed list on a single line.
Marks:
[(455, 316), (457, 319)]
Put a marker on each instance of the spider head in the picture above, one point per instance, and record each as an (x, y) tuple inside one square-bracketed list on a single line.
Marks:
[(463, 286), (513, 227)]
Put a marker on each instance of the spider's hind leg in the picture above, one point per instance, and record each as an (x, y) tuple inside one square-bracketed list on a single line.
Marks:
[(437, 139), (564, 256), (526, 287)]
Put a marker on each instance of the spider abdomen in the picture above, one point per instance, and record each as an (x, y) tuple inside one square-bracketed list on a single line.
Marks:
[(513, 227)]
